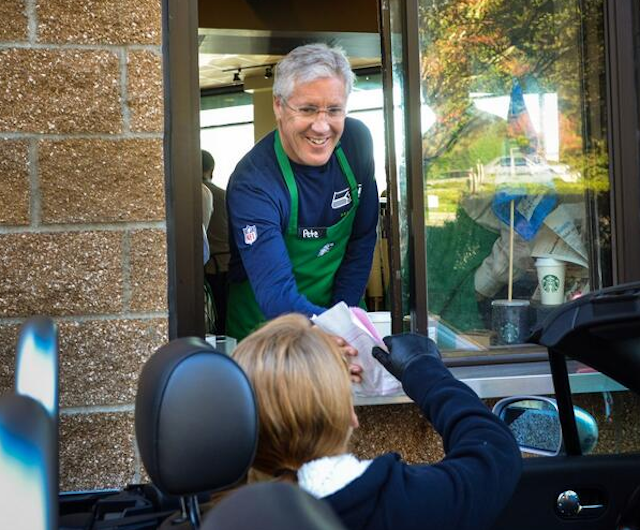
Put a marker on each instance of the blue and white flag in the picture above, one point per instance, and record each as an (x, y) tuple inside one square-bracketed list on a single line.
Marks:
[(523, 144)]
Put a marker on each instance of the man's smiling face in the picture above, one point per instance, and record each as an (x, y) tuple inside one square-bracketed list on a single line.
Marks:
[(310, 140)]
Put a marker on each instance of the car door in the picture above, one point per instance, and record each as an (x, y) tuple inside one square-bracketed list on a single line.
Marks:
[(601, 330)]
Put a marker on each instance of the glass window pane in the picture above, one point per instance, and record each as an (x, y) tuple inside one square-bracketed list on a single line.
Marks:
[(228, 143), (515, 163)]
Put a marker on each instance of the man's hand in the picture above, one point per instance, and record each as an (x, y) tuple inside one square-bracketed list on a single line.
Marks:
[(349, 352), (403, 349)]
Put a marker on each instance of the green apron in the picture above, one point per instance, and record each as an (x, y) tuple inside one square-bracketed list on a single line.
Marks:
[(315, 261)]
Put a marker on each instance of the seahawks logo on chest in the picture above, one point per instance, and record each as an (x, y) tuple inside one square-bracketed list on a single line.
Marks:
[(342, 198)]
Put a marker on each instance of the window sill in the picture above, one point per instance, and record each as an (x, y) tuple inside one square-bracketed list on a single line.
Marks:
[(502, 380)]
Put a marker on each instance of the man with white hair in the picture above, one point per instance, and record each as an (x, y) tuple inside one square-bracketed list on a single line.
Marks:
[(303, 203)]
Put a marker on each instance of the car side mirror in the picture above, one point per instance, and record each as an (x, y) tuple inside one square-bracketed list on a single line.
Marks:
[(535, 423)]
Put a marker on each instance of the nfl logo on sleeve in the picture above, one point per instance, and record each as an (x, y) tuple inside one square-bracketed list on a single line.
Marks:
[(250, 234)]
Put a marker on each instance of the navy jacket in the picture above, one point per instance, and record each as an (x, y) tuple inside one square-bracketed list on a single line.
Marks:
[(465, 491), (257, 196)]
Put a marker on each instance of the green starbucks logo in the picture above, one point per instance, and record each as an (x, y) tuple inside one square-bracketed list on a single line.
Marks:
[(550, 283), (509, 333)]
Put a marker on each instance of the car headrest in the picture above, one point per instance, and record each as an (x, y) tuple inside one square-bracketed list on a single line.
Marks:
[(195, 417)]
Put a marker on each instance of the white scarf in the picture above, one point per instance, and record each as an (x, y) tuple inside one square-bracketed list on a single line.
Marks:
[(325, 476)]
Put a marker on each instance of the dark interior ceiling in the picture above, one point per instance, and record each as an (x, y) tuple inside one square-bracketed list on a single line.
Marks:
[(247, 34), (360, 16)]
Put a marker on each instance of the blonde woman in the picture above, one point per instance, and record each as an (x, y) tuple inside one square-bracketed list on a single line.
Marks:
[(306, 414)]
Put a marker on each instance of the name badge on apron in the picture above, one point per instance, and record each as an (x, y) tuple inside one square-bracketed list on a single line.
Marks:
[(312, 232)]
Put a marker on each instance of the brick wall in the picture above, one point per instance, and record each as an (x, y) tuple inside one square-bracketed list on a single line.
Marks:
[(82, 219)]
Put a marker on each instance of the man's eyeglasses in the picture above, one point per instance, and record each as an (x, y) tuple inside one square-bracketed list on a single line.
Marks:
[(311, 112)]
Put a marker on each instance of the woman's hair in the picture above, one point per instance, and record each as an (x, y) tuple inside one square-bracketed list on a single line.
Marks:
[(303, 390), (308, 63)]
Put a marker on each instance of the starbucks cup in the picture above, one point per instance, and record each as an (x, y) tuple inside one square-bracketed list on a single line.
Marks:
[(551, 280), (510, 321)]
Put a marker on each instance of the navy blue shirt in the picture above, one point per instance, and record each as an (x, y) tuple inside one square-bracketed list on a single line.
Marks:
[(258, 201), (467, 490)]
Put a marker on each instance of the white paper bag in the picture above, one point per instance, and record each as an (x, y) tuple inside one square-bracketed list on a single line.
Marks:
[(340, 320)]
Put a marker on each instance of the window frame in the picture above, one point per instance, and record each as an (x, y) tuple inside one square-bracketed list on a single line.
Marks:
[(623, 146), (182, 164), (182, 146)]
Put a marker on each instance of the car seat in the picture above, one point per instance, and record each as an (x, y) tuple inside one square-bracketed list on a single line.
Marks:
[(196, 422), (272, 506), (29, 432), (28, 464)]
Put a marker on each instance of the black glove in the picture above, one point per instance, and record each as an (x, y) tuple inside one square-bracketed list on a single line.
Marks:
[(403, 349)]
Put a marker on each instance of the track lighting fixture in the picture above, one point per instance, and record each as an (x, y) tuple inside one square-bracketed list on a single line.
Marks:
[(238, 77)]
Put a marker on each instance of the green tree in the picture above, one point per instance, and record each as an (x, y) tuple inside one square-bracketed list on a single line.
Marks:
[(480, 46)]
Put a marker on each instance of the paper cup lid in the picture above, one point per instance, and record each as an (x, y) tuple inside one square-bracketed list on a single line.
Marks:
[(512, 303), (548, 262)]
